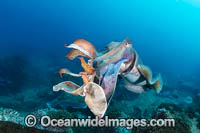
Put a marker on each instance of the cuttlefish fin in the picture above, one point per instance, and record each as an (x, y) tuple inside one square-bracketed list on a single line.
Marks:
[(66, 71), (95, 99), (155, 83), (70, 87), (158, 84), (146, 72), (133, 88)]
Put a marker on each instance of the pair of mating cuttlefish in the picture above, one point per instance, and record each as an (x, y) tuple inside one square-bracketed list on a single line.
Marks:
[(102, 70)]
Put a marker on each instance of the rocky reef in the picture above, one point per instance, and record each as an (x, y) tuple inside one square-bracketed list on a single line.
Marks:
[(187, 118), (27, 89), (9, 127)]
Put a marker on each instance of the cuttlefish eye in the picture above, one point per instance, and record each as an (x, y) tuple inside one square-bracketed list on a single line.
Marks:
[(90, 62), (128, 43)]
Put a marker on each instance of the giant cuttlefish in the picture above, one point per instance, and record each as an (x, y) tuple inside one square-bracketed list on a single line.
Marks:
[(102, 70)]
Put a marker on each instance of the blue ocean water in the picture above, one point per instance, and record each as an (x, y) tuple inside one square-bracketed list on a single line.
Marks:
[(167, 28), (165, 33)]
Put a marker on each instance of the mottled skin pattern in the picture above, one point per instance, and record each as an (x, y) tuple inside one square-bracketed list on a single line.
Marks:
[(87, 68), (85, 78), (101, 73), (111, 64), (109, 79)]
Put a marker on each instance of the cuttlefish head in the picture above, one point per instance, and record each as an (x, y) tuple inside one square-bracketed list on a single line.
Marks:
[(129, 55), (82, 47), (127, 43)]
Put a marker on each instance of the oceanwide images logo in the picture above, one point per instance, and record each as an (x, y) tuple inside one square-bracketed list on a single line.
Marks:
[(46, 121)]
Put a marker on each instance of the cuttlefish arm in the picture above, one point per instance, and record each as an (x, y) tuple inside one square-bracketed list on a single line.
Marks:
[(94, 94), (75, 53), (66, 71), (87, 67), (70, 87), (85, 47), (95, 99), (85, 78)]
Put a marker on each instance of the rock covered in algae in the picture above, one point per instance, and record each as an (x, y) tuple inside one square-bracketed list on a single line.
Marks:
[(10, 115), (9, 127)]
